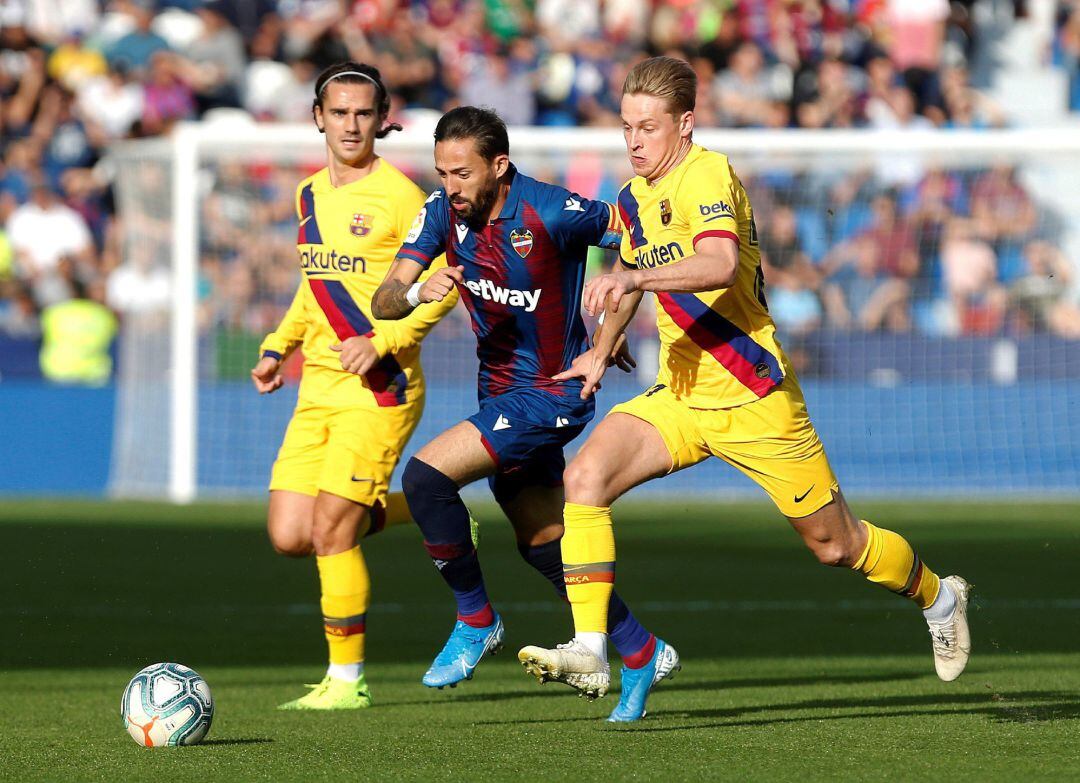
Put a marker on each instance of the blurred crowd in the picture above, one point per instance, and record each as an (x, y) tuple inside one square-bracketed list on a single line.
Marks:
[(945, 251), (949, 252)]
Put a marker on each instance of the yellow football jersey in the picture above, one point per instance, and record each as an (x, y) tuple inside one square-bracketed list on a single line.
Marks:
[(718, 348), (347, 239)]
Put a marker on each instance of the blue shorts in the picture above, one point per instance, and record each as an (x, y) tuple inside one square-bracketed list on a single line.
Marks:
[(524, 431)]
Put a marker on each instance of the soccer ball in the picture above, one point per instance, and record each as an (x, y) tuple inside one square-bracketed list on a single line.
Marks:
[(167, 704)]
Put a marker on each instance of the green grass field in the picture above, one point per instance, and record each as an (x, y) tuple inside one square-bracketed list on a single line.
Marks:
[(791, 670)]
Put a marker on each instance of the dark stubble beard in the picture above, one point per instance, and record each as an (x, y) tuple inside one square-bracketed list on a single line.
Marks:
[(475, 212)]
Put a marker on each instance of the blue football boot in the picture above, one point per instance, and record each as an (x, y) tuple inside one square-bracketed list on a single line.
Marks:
[(462, 652), (636, 683)]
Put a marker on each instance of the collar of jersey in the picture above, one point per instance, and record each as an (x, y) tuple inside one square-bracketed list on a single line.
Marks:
[(326, 186), (513, 198)]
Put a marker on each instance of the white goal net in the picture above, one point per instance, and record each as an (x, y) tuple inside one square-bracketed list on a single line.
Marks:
[(925, 286)]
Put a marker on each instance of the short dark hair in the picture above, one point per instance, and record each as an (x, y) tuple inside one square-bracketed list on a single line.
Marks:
[(350, 72), (483, 126)]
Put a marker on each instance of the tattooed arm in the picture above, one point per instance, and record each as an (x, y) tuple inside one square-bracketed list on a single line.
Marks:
[(390, 300)]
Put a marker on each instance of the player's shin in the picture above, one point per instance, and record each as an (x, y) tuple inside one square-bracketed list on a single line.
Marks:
[(346, 588), (547, 560), (890, 561), (588, 552), (633, 641), (443, 520)]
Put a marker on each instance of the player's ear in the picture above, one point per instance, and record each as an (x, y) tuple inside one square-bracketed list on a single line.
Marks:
[(502, 165), (316, 111), (686, 124)]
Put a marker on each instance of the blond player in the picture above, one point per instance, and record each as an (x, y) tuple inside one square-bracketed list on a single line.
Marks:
[(725, 389), (362, 391)]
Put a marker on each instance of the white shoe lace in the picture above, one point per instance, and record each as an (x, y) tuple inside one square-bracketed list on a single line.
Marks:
[(943, 636)]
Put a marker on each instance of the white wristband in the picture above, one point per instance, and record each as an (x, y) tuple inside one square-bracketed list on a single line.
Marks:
[(412, 296)]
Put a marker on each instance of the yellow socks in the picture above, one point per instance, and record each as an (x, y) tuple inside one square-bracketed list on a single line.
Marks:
[(588, 553), (890, 561), (346, 587)]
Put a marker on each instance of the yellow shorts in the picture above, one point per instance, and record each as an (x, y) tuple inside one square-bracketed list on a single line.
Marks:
[(771, 440), (349, 452)]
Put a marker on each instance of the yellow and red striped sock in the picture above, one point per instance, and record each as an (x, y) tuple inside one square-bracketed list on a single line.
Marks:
[(346, 588), (890, 561), (588, 554)]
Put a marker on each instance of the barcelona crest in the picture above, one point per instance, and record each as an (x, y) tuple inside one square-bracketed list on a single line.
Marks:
[(361, 225), (522, 241), (665, 211)]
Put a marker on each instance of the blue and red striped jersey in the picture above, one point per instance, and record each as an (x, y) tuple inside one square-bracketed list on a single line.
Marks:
[(524, 274)]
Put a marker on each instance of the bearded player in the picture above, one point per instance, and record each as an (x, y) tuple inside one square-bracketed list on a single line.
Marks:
[(362, 391), (516, 252), (725, 387)]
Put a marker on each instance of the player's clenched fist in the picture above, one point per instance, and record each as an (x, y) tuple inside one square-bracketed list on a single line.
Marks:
[(439, 285), (358, 355), (265, 375)]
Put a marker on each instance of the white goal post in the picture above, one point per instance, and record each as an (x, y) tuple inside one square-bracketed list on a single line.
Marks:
[(178, 409)]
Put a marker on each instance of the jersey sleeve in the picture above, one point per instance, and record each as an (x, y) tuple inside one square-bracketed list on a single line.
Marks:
[(588, 222), (707, 196), (290, 332), (426, 238), (394, 336)]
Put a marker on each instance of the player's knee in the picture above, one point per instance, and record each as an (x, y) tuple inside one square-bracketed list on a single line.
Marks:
[(290, 543), (831, 552), (585, 481), (435, 503), (420, 480)]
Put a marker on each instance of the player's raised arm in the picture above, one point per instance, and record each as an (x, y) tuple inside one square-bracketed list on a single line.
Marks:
[(713, 266), (408, 331), (400, 293), (390, 302)]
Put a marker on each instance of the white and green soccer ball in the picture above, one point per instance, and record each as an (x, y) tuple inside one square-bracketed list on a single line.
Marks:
[(167, 704)]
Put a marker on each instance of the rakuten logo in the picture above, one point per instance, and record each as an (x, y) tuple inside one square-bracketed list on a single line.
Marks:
[(486, 289), (319, 261), (659, 255)]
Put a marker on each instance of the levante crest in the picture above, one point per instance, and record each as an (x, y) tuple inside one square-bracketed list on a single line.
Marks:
[(522, 241), (361, 225)]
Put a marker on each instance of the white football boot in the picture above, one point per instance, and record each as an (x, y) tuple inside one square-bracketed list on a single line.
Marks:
[(951, 638), (572, 663)]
